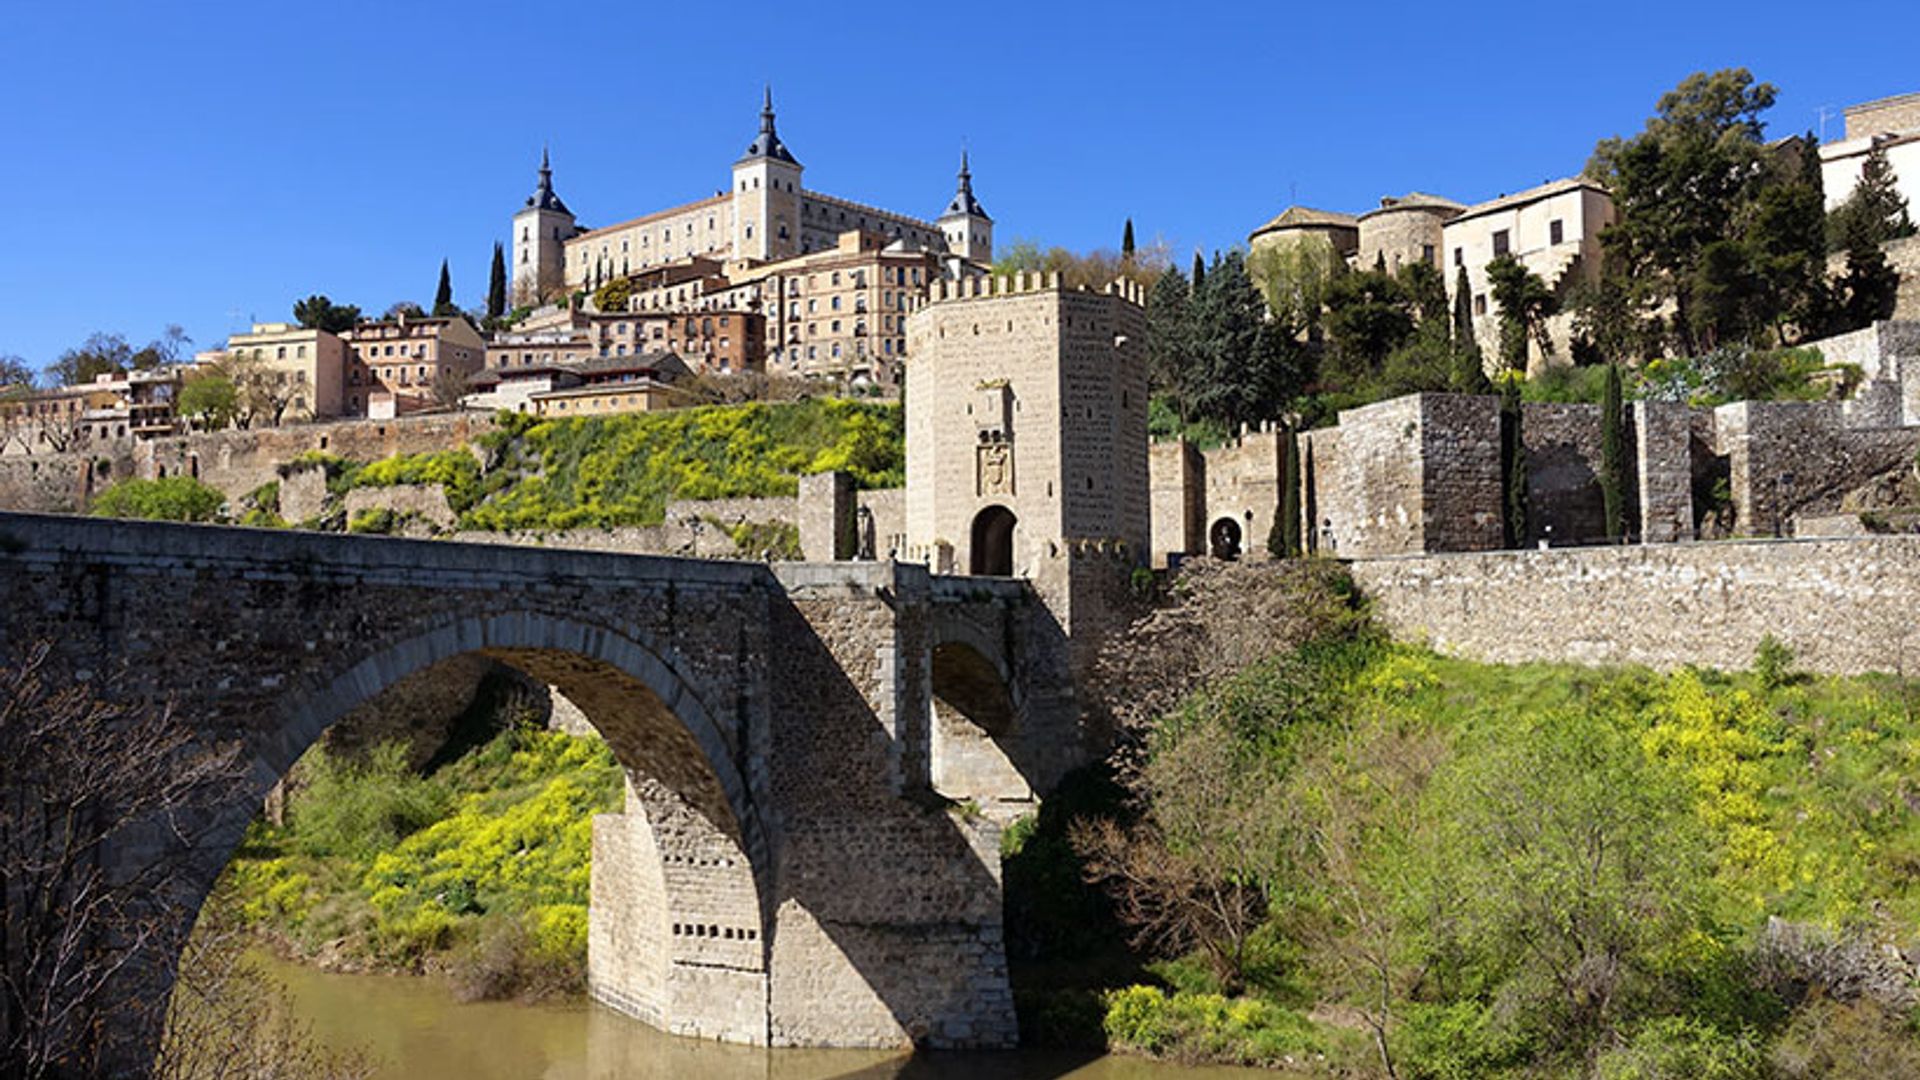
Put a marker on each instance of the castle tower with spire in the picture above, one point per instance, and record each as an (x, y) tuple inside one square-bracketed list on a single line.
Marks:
[(541, 230), (967, 228), (766, 195)]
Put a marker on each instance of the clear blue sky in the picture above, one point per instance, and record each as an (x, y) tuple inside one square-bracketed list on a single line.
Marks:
[(208, 163)]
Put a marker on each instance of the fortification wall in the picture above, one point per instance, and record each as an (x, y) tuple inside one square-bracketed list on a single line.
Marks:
[(1786, 458), (236, 462), (1242, 483), (1371, 486), (1904, 256), (1176, 482), (1460, 487), (55, 483), (1844, 606)]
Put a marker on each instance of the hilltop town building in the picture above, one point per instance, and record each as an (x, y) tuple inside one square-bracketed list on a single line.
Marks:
[(404, 364), (1323, 232), (1405, 230), (111, 408), (1553, 230), (833, 277), (1893, 125), (302, 368), (720, 342)]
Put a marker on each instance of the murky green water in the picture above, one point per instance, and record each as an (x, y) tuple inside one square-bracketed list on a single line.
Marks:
[(418, 1031)]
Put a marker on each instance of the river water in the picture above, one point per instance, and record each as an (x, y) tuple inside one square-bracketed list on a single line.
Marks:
[(416, 1030)]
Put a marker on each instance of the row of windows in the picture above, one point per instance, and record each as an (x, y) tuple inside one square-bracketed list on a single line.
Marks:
[(419, 349), (1503, 242), (280, 352)]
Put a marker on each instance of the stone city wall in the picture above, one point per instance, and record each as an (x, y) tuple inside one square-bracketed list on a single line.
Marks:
[(1904, 256), (426, 502), (1176, 498), (1790, 457), (53, 483), (237, 462), (1842, 606)]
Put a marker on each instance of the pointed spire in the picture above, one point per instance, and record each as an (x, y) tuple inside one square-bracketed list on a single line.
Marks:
[(543, 197), (768, 144), (964, 204)]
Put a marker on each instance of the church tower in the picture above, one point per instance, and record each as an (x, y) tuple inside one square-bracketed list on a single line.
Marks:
[(766, 195), (540, 232), (967, 228)]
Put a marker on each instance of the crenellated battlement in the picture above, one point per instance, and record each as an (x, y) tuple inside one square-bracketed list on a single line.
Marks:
[(1023, 283)]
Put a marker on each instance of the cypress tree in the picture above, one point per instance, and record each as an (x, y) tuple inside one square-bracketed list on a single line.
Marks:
[(1613, 466), (1290, 495), (443, 296), (1312, 506), (1199, 273), (1513, 459), (1126, 242), (497, 283)]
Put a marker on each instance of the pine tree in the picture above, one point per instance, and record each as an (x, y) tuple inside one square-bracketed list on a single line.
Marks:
[(1169, 331), (1513, 454), (1613, 464), (1875, 212), (443, 296), (497, 283), (1126, 242)]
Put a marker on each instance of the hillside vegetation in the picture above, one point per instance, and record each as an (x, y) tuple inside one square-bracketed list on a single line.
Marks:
[(541, 474), (1361, 857), (477, 867)]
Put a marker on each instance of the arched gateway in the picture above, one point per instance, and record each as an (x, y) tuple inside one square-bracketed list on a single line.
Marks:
[(778, 875)]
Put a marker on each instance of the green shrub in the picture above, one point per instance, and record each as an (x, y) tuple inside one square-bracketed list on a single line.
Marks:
[(455, 471), (358, 809), (173, 498), (773, 540), (1855, 1040), (1461, 1040), (1773, 663), (1675, 1048), (374, 521), (1208, 1027)]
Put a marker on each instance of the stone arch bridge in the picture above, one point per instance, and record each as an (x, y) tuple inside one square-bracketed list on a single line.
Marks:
[(817, 754)]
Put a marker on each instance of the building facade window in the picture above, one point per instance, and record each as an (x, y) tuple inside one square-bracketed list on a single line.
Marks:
[(1501, 243)]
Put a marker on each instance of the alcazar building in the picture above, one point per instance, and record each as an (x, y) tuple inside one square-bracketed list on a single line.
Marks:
[(835, 278)]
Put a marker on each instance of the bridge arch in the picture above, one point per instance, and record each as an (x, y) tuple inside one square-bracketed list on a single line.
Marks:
[(679, 920), (976, 732)]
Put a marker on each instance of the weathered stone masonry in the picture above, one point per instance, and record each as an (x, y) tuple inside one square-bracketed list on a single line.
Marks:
[(1843, 606), (783, 872)]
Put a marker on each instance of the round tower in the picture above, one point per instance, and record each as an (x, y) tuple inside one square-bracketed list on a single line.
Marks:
[(766, 195), (967, 228), (541, 230)]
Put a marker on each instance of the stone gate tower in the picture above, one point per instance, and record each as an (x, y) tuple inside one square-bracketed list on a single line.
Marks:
[(1026, 415), (540, 233)]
